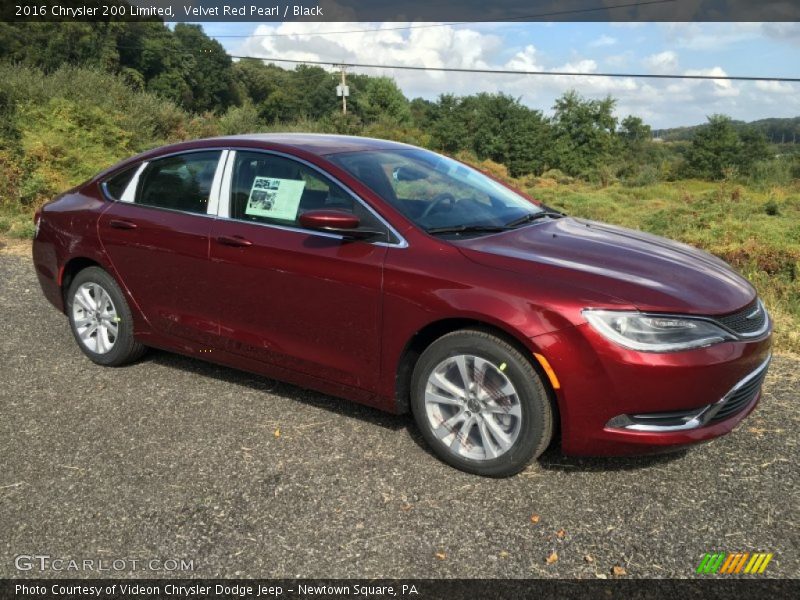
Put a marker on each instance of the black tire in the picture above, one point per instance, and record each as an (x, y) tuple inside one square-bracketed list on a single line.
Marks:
[(536, 428), (125, 348)]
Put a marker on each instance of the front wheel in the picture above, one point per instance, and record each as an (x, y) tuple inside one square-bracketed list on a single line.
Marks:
[(480, 404), (101, 319)]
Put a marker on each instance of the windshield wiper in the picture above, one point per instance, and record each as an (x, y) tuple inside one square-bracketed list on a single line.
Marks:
[(468, 229), (531, 217)]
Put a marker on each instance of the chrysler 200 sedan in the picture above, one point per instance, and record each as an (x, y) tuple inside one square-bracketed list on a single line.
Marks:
[(408, 281)]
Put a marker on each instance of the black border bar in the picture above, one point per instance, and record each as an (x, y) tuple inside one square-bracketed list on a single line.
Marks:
[(453, 11), (705, 588)]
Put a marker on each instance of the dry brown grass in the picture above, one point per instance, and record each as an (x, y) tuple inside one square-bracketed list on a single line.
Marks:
[(14, 247)]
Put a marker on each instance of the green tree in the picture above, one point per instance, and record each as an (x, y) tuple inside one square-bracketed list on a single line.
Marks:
[(316, 90), (422, 111), (634, 132), (380, 98), (506, 131), (255, 80), (714, 148), (448, 125), (718, 147), (206, 69), (584, 134), (50, 45), (755, 148)]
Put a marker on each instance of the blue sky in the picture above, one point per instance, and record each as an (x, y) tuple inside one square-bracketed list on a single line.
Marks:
[(762, 49)]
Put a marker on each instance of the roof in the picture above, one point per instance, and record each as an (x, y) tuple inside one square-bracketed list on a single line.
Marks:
[(313, 143), (316, 143)]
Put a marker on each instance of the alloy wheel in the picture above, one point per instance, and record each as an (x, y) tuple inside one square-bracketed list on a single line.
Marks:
[(472, 407), (95, 318)]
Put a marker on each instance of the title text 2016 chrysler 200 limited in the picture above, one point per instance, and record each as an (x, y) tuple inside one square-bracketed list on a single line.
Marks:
[(405, 280)]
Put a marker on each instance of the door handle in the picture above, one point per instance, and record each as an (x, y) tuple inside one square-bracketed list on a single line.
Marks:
[(120, 224), (236, 241)]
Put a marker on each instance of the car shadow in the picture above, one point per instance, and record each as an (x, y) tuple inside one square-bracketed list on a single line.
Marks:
[(554, 460), (551, 460), (288, 391)]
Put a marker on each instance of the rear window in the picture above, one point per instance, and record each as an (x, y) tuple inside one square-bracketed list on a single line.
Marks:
[(181, 182)]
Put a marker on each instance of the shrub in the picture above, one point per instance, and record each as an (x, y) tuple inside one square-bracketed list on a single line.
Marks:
[(240, 119), (349, 124), (35, 189), (390, 129), (770, 172), (558, 176), (643, 176), (771, 208), (153, 119)]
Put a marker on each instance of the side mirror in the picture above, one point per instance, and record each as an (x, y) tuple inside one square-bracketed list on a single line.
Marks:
[(337, 221)]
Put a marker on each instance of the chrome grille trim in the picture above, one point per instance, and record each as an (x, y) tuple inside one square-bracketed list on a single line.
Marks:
[(740, 395), (750, 322)]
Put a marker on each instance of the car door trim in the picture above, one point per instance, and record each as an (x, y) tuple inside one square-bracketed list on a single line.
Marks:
[(216, 184)]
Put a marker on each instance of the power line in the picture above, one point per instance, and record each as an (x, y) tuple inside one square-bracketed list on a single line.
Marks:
[(334, 63), (512, 72), (428, 26)]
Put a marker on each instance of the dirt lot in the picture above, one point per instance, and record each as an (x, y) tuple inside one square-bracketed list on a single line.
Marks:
[(176, 458)]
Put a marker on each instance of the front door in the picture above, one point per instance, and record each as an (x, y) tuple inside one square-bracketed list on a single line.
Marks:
[(299, 299)]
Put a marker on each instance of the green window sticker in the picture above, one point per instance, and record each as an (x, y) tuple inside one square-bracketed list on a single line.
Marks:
[(275, 198)]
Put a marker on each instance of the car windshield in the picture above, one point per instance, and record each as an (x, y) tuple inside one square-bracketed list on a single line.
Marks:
[(437, 193)]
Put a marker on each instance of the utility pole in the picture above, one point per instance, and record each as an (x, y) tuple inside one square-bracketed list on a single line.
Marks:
[(342, 90)]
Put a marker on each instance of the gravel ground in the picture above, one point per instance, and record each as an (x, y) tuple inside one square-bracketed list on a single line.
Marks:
[(176, 458)]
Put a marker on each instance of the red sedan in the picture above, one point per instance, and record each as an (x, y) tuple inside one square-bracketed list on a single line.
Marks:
[(402, 279)]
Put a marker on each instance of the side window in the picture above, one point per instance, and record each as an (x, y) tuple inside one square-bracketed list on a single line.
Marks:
[(116, 184), (181, 182), (271, 189)]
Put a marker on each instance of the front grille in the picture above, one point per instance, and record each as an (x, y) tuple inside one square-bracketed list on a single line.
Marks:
[(747, 321), (741, 397)]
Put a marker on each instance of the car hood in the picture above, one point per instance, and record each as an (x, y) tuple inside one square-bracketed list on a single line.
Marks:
[(646, 271)]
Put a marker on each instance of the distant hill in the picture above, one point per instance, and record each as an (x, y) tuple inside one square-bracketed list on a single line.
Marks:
[(778, 131)]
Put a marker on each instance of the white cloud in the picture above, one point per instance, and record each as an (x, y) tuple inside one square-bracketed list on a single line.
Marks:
[(661, 102), (721, 87), (710, 36), (663, 62), (775, 87), (618, 60), (603, 40), (525, 60)]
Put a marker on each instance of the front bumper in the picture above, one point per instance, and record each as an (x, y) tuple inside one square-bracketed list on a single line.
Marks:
[(736, 400), (615, 401)]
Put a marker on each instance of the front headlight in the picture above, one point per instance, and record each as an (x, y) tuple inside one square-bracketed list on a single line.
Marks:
[(655, 333)]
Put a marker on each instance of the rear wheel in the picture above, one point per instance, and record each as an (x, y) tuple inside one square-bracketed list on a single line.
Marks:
[(101, 319), (480, 404)]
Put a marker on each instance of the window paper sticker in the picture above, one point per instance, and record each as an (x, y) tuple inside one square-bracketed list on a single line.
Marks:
[(275, 198)]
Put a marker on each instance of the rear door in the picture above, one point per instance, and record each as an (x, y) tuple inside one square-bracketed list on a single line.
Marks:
[(303, 300), (156, 235)]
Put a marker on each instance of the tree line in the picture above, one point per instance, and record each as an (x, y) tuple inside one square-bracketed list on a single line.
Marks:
[(776, 130), (582, 138)]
